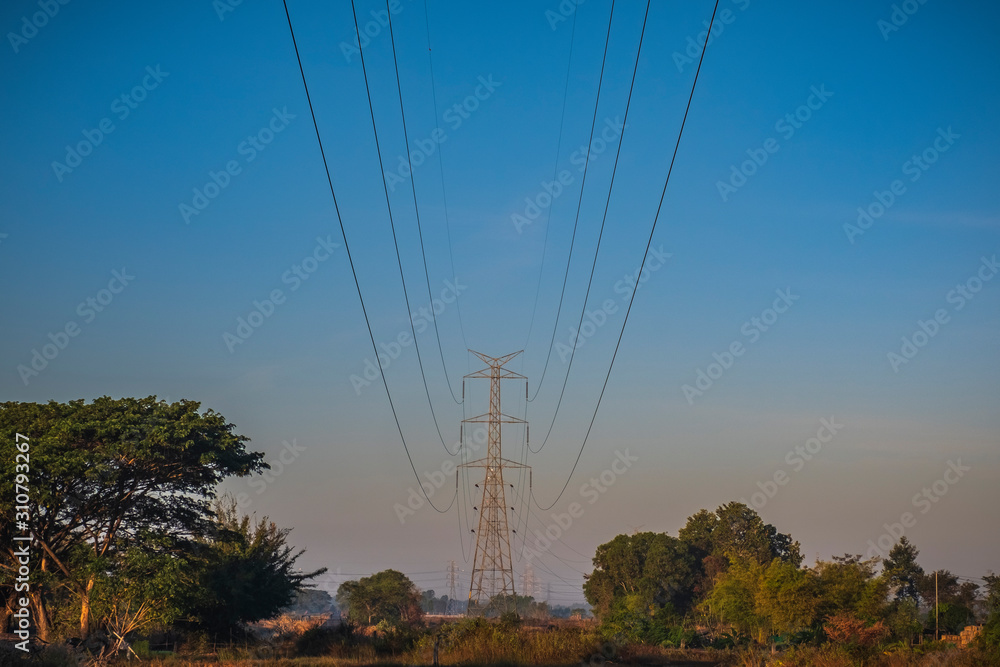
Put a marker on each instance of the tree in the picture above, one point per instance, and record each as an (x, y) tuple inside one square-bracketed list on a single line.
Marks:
[(733, 598), (741, 533), (311, 601), (105, 472), (787, 597), (654, 568), (902, 572), (384, 596), (734, 530), (764, 600), (245, 572), (849, 585)]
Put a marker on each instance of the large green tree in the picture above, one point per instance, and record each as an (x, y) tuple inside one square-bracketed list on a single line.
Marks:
[(653, 568), (384, 596), (104, 473), (733, 531)]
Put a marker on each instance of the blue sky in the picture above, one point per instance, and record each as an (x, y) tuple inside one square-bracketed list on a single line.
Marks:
[(208, 80)]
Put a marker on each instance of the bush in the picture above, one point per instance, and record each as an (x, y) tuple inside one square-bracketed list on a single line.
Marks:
[(323, 641)]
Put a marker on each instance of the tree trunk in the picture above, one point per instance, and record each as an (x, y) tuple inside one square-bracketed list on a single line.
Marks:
[(42, 623), (6, 612), (85, 609)]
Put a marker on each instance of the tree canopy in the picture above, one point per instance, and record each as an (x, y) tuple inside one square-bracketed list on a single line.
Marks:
[(121, 505), (387, 596)]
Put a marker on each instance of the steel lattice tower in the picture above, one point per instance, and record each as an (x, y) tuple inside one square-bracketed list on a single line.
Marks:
[(493, 571), (452, 584)]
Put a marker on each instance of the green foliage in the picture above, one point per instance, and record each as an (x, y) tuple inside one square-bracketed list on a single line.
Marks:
[(655, 568), (989, 638), (951, 617), (384, 596), (107, 475), (734, 530), (903, 618), (848, 584), (245, 571), (764, 600), (902, 572)]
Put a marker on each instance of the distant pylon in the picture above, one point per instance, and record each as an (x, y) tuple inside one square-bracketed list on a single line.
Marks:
[(452, 585), (492, 569), (529, 586)]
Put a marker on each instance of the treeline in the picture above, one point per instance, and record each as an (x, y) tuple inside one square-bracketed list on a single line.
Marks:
[(127, 530), (729, 579)]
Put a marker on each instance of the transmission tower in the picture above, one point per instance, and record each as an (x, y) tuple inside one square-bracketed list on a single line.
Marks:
[(492, 569), (452, 585), (529, 586)]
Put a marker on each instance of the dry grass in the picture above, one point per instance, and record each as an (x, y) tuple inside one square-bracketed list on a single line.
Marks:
[(287, 625)]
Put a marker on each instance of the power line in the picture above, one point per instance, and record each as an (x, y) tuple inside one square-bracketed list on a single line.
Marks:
[(576, 221), (347, 248), (392, 225), (444, 190), (600, 235), (555, 170), (645, 254), (416, 210)]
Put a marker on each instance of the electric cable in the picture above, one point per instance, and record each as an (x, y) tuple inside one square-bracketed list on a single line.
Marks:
[(350, 259), (395, 241), (645, 254), (579, 204), (555, 171), (416, 208), (444, 190), (600, 235)]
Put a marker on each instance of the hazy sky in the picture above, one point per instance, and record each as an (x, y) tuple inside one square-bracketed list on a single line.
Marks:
[(160, 161)]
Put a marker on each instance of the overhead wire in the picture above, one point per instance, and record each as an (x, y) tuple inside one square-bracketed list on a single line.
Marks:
[(350, 258), (444, 189), (579, 204), (600, 235), (416, 210), (555, 171), (645, 254), (392, 225)]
